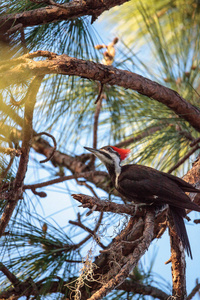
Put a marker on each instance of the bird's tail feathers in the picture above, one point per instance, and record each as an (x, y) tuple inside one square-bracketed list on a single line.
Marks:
[(178, 215)]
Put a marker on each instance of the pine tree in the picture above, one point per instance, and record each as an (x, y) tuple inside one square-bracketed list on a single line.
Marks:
[(61, 88)]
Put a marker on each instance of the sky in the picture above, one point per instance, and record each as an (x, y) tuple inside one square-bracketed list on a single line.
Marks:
[(59, 206)]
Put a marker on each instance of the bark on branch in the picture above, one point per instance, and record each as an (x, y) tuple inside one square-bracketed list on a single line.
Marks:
[(26, 144), (66, 65), (130, 261), (52, 13), (142, 289)]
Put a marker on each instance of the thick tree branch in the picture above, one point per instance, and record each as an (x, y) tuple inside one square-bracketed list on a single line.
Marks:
[(28, 288), (142, 289), (72, 10), (178, 264), (66, 65), (130, 261), (26, 144)]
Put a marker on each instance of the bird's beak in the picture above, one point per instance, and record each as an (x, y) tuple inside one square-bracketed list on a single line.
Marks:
[(98, 153), (94, 151)]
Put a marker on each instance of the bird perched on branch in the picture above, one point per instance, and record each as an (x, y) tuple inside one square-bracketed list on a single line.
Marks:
[(141, 184)]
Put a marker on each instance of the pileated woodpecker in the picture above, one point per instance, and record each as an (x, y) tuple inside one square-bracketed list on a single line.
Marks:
[(146, 185)]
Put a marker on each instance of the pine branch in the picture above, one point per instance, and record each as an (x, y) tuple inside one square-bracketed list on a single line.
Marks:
[(54, 147), (15, 194), (11, 277), (178, 264), (184, 158), (103, 205), (130, 261), (72, 10), (195, 290), (139, 137), (93, 233), (29, 287), (66, 65), (142, 289)]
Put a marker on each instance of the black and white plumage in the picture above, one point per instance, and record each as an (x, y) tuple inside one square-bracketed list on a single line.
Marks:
[(141, 184)]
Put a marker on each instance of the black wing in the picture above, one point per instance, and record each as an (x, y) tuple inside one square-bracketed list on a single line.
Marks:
[(151, 185)]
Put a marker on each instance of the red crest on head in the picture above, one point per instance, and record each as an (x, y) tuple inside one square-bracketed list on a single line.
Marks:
[(122, 152)]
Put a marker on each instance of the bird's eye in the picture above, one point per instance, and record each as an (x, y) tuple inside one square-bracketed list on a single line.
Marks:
[(109, 148)]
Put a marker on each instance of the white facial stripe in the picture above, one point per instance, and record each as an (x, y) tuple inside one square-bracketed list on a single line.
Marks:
[(103, 158), (116, 160)]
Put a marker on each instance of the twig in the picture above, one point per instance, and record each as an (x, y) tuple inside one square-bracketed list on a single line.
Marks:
[(40, 194), (100, 92), (96, 118), (54, 147), (197, 221), (95, 128), (17, 103), (4, 173), (106, 206), (11, 277), (61, 179), (23, 40), (194, 291), (80, 182), (196, 141), (142, 289), (183, 159), (140, 136), (92, 232)]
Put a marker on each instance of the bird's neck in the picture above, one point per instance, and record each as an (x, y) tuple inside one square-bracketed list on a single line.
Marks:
[(114, 171)]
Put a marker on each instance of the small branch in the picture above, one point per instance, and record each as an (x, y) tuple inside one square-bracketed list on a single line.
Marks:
[(17, 103), (100, 92), (103, 205), (96, 118), (92, 232), (23, 40), (142, 289), (61, 179), (88, 186), (184, 158), (4, 173), (196, 141), (197, 221), (54, 147), (145, 133), (11, 277), (95, 128), (195, 290)]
